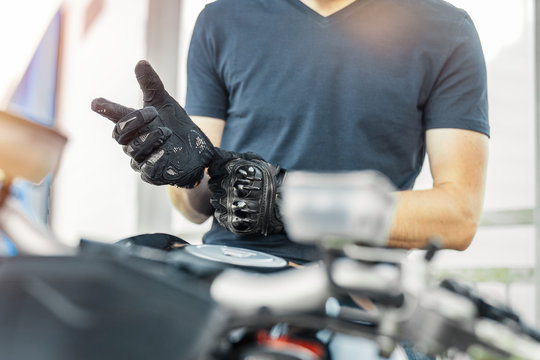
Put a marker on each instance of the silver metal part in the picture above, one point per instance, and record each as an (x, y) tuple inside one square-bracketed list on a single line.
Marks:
[(282, 292), (353, 206), (236, 256), (351, 274)]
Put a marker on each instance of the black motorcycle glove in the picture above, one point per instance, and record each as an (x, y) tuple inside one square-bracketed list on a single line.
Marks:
[(165, 145), (246, 194)]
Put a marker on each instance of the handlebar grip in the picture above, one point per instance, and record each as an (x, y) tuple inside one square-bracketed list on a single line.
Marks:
[(499, 312)]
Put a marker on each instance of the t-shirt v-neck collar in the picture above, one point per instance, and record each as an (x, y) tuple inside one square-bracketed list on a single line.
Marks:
[(323, 20)]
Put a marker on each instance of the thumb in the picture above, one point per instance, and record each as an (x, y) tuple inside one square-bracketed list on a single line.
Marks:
[(154, 93), (109, 109)]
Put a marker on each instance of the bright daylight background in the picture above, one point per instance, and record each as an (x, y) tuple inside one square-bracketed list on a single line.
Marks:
[(97, 196)]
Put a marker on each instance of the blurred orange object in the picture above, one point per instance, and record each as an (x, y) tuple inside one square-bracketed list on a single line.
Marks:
[(28, 150)]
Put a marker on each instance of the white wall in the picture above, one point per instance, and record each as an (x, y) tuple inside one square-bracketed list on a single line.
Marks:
[(94, 190)]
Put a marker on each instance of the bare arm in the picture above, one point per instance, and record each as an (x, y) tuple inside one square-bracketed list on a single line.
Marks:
[(194, 204), (452, 208)]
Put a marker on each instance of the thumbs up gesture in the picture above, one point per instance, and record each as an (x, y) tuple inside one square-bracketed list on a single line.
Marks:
[(164, 144)]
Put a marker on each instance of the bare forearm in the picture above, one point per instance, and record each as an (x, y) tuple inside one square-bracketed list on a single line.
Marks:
[(443, 213), (194, 204), (451, 209)]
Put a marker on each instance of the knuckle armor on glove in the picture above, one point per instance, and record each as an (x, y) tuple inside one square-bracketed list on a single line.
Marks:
[(246, 197)]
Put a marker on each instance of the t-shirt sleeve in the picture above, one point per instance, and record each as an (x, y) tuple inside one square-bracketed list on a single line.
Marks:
[(459, 96), (206, 93)]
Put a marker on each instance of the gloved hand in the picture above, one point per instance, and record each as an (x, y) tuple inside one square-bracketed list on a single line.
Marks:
[(165, 145), (246, 194)]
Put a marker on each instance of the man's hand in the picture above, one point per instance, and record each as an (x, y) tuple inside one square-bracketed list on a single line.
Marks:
[(165, 146), (246, 194)]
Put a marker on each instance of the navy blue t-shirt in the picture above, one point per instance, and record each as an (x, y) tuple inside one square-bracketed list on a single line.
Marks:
[(351, 91)]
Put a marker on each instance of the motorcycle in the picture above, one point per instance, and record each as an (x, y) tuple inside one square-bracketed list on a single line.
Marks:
[(348, 216), (166, 299)]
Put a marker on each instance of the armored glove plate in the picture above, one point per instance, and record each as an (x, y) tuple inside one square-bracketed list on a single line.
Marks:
[(246, 196)]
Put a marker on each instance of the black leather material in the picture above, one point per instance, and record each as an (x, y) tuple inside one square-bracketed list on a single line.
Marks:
[(245, 195)]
